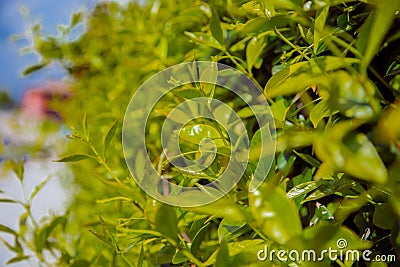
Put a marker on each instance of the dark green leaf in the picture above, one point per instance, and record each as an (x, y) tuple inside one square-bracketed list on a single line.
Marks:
[(215, 27), (73, 158), (18, 259), (166, 222), (6, 229), (223, 258), (109, 135), (33, 68)]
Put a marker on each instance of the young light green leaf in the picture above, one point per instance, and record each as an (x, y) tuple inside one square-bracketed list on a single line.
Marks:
[(253, 51), (320, 111), (319, 25), (73, 158), (38, 187)]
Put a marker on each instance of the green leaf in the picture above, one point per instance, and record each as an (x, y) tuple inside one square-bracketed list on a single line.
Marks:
[(253, 51), (279, 109), (166, 222), (320, 111), (215, 27), (109, 136), (178, 258), (303, 189), (198, 239), (7, 200), (18, 259), (329, 187), (223, 258), (309, 159), (38, 187), (209, 75), (263, 24), (73, 158), (42, 236), (322, 213), (319, 25), (6, 229), (227, 227), (76, 18), (383, 216), (266, 205), (261, 155), (33, 68), (204, 39)]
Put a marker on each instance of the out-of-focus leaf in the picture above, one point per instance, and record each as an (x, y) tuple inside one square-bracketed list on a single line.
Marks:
[(39, 187), (109, 135), (352, 153), (42, 236), (80, 263), (352, 95), (267, 205), (73, 158), (7, 229), (325, 235), (263, 24), (33, 68), (18, 259)]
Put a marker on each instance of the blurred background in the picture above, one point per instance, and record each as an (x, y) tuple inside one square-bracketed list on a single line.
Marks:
[(23, 108)]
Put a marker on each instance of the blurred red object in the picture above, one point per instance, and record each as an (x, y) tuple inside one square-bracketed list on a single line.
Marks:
[(36, 101)]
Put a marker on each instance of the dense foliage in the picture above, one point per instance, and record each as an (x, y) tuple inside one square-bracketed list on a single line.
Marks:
[(330, 71)]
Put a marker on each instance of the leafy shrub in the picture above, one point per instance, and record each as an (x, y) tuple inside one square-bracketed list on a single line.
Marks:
[(329, 70)]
